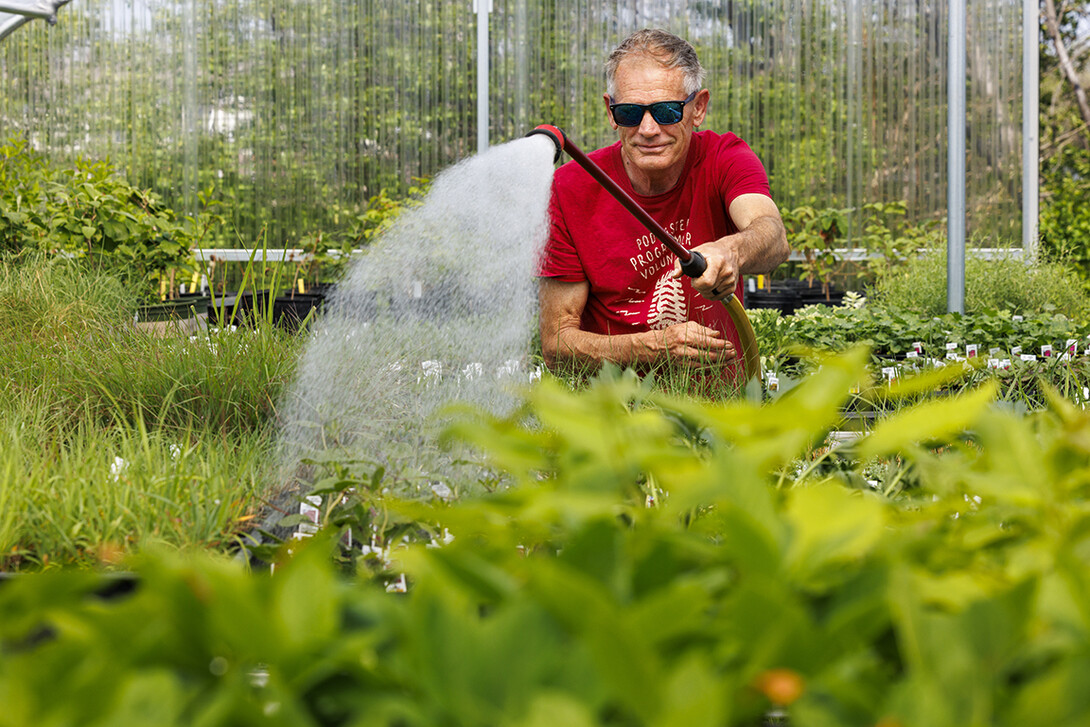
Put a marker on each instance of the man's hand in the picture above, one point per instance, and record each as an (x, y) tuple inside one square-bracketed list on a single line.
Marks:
[(563, 340), (759, 246), (721, 276), (689, 341)]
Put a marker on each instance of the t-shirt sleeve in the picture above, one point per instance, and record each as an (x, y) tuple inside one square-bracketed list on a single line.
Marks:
[(742, 171), (559, 259)]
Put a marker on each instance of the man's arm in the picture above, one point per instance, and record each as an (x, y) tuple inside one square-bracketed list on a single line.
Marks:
[(564, 341), (758, 247)]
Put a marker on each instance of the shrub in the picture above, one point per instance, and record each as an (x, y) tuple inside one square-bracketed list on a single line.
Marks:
[(88, 210), (919, 286), (658, 563)]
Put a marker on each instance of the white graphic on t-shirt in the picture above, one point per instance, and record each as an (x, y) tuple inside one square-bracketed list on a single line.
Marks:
[(668, 304)]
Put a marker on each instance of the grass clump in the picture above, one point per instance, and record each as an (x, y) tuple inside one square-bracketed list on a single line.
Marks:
[(113, 438), (920, 286)]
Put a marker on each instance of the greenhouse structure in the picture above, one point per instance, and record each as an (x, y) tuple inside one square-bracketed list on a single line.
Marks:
[(293, 113)]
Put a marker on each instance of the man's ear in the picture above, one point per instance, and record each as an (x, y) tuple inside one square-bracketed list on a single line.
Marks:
[(609, 116), (700, 106)]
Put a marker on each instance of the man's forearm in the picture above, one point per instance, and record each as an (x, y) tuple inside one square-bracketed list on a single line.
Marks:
[(761, 247), (570, 344)]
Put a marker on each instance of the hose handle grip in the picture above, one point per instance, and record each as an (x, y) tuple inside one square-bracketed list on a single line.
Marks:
[(695, 266)]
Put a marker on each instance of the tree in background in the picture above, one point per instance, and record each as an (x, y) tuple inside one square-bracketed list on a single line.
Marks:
[(1065, 131)]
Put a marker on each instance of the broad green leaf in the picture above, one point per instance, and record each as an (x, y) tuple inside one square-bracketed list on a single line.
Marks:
[(832, 527), (932, 421), (550, 709), (306, 595), (627, 664), (694, 696), (924, 383)]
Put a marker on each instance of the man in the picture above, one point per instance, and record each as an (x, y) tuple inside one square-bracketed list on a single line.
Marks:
[(608, 290)]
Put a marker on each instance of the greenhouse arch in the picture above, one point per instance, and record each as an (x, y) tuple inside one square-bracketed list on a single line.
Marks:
[(15, 13)]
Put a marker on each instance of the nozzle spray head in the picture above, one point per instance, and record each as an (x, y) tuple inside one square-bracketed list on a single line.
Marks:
[(553, 133)]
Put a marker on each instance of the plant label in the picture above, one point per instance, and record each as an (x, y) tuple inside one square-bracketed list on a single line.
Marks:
[(917, 346), (993, 363), (971, 350), (1072, 346), (994, 352), (773, 383), (309, 509), (953, 346), (1005, 364), (912, 354), (1028, 357), (1017, 319), (1016, 351), (1046, 350)]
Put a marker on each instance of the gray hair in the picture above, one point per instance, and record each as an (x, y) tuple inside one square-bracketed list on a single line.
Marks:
[(668, 49)]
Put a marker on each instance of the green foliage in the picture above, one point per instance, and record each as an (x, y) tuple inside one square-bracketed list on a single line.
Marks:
[(82, 389), (87, 210), (788, 345), (1006, 283), (877, 227), (1065, 216), (891, 332), (356, 228), (815, 233), (1065, 146), (747, 581)]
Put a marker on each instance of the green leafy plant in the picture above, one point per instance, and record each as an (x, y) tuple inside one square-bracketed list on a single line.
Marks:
[(1005, 283), (112, 439), (653, 561), (815, 233), (87, 210)]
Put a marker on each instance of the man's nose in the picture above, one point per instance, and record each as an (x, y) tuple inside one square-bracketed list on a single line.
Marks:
[(648, 125)]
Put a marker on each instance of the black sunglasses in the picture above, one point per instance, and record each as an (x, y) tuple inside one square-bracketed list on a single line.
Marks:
[(663, 112)]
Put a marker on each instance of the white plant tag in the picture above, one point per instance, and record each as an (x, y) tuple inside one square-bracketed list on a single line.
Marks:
[(310, 510)]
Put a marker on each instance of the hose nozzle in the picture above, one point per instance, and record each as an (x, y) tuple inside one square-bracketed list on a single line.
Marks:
[(553, 133)]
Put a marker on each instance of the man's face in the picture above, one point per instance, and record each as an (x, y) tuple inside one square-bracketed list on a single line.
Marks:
[(654, 153)]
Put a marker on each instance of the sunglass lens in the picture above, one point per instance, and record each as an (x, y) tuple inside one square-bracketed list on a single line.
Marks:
[(667, 112), (628, 114)]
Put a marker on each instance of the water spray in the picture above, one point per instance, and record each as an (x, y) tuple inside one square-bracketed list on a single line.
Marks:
[(693, 263)]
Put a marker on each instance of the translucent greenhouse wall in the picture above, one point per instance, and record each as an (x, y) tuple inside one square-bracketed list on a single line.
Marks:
[(294, 112)]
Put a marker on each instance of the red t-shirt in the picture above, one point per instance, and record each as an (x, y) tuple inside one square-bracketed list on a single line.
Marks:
[(595, 239)]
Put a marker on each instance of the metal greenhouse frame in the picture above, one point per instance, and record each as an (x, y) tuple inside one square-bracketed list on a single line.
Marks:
[(14, 13)]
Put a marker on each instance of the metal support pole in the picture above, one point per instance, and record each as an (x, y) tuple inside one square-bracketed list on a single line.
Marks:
[(1031, 133), (482, 8), (41, 9), (955, 196)]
